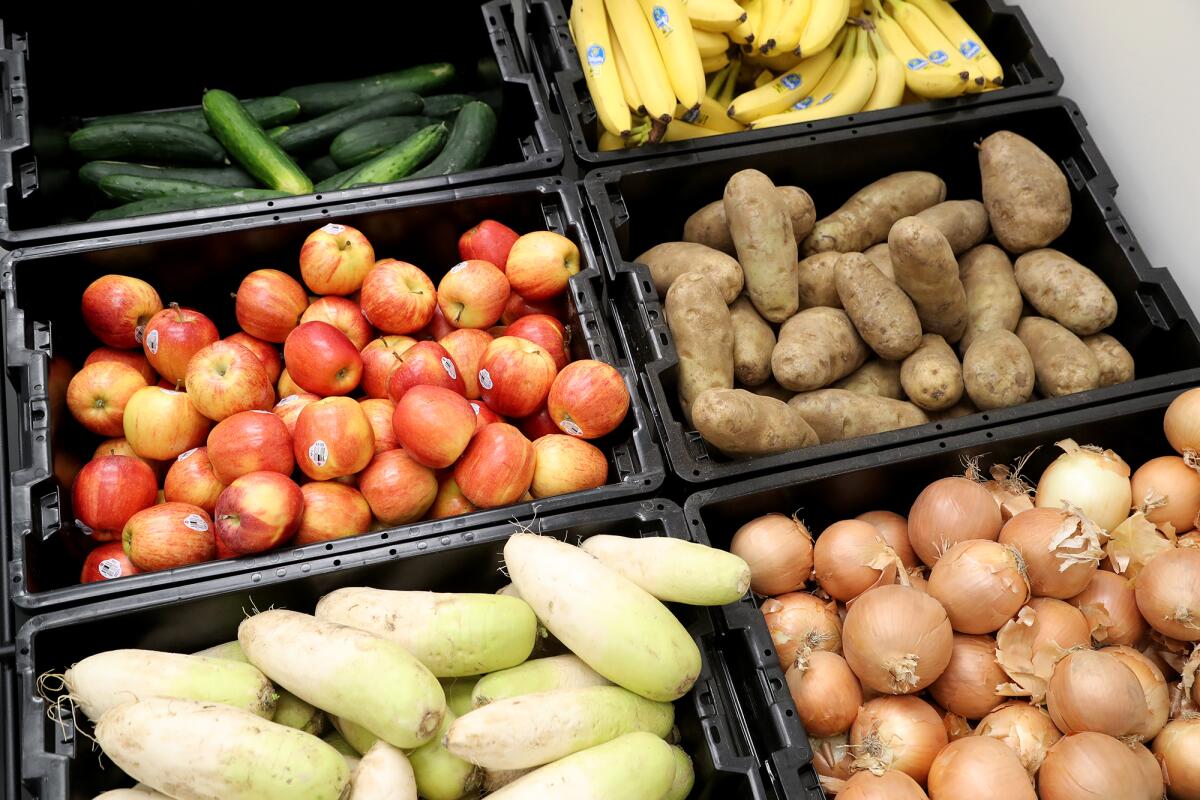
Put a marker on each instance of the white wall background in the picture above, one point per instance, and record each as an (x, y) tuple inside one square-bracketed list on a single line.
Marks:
[(1130, 65)]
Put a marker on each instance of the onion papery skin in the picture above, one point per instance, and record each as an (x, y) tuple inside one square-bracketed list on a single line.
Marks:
[(893, 528), (1090, 766), (1094, 691), (1170, 481), (1181, 422), (897, 733), (967, 687), (1177, 748), (779, 551), (1109, 604), (897, 640), (1029, 646), (831, 757), (851, 557), (1061, 551), (888, 786), (1094, 482), (1151, 771), (980, 584), (1154, 687), (979, 768), (1168, 593), (826, 693), (799, 621), (1025, 728), (948, 511)]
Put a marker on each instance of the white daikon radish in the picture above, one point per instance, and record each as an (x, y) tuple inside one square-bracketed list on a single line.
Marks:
[(441, 775), (538, 675), (383, 773), (458, 693), (674, 570), (359, 738), (138, 792), (289, 709), (636, 766), (685, 776)]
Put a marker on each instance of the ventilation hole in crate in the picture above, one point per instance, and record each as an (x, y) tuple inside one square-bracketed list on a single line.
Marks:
[(491, 20), (41, 438), (854, 131), (38, 414), (328, 547), (37, 387), (662, 337), (661, 507), (392, 552), (318, 197), (337, 562), (1132, 249), (985, 417), (766, 652), (1108, 208), (938, 426), (788, 712), (775, 684), (276, 218), (942, 445), (16, 578), (383, 536), (989, 434), (647, 481), (24, 651), (715, 735), (324, 210), (270, 203)]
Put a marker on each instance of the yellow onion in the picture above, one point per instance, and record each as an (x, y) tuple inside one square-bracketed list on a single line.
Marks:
[(851, 557), (1061, 550), (897, 639), (1189, 682), (779, 551), (1181, 423), (1110, 608), (831, 756), (916, 579), (888, 786), (1134, 543), (981, 584), (1091, 766), (1177, 748), (1094, 481), (948, 511), (1191, 540), (893, 528), (1009, 490), (1095, 691), (825, 691), (1154, 687), (800, 622), (967, 686), (1168, 489), (1025, 728), (1151, 771), (956, 726), (979, 768), (1028, 647), (1168, 593), (901, 733)]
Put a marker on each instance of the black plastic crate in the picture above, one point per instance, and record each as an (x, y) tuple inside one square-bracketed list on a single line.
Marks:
[(719, 720), (821, 495), (105, 63), (1029, 71), (633, 209), (199, 266)]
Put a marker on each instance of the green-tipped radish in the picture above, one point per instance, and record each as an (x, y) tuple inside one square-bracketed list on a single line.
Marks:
[(451, 634), (538, 675), (339, 743), (535, 729), (138, 792), (458, 693), (441, 775), (347, 673), (230, 651), (204, 751), (383, 773), (674, 570), (685, 776), (359, 738), (614, 625), (289, 709), (636, 766)]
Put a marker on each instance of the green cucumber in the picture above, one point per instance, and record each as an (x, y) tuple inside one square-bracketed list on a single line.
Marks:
[(368, 139), (129, 188), (335, 180), (277, 131), (184, 202), (312, 134), (321, 98), (445, 105), (250, 146), (321, 168), (150, 141), (469, 143), (222, 177), (400, 160), (267, 110)]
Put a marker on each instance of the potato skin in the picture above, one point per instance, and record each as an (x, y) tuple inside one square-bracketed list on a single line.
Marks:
[(703, 332), (994, 300), (1025, 193), (1116, 363), (878, 377), (964, 223), (932, 377), (709, 226), (815, 348), (817, 281), (1062, 363), (753, 342), (879, 309), (928, 273), (766, 245), (837, 414), (881, 257), (998, 370), (1062, 289), (772, 389), (742, 424), (869, 214), (669, 260)]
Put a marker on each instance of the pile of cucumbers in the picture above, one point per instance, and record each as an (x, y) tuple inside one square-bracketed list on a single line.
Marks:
[(313, 138)]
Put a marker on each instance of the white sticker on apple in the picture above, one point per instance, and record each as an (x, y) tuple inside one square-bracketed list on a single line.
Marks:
[(109, 568), (318, 453), (291, 398), (459, 267), (195, 522), (448, 365), (475, 408), (485, 379), (87, 530), (137, 333), (152, 342), (333, 228), (186, 454), (570, 427)]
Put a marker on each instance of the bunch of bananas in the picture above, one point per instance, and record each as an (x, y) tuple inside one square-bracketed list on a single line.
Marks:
[(669, 70)]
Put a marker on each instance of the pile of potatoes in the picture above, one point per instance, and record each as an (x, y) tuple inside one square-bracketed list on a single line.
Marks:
[(793, 331)]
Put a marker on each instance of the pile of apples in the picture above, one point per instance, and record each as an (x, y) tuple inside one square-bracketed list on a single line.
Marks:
[(392, 401)]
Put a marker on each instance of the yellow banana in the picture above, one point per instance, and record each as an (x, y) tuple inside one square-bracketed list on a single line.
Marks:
[(590, 29), (836, 97), (754, 20), (710, 44), (826, 19), (743, 34), (777, 63), (783, 92), (725, 97), (610, 142), (715, 63), (717, 81), (764, 38), (673, 34), (680, 131), (628, 84), (763, 78), (933, 43), (791, 24), (922, 78), (960, 34), (641, 53), (889, 82), (712, 116), (718, 16), (856, 8)]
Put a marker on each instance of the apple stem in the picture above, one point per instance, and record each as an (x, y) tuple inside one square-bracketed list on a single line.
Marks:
[(178, 311)]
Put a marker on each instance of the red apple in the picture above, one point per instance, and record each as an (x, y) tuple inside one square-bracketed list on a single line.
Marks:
[(489, 240), (466, 347), (131, 358), (322, 360), (450, 501), (169, 535), (380, 358), (473, 294), (107, 562), (286, 386), (225, 378), (117, 307), (588, 399), (335, 258), (333, 437), (497, 467), (535, 426), (290, 407), (398, 489), (566, 464), (267, 353), (163, 383), (434, 425), (544, 330), (162, 423), (397, 297), (173, 336), (250, 441), (191, 479), (269, 304), (332, 510), (343, 314), (108, 491), (120, 446), (99, 394), (438, 325), (496, 331), (258, 511), (541, 264), (515, 375), (425, 363), (379, 411), (484, 415), (518, 307)]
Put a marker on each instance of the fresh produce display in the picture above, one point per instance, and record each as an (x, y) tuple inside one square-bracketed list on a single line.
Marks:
[(1008, 637), (675, 70)]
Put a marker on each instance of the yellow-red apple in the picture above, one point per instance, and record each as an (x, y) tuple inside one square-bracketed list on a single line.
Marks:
[(173, 336), (588, 399), (108, 491), (466, 347), (544, 330), (484, 415), (397, 297), (434, 425), (225, 378), (450, 501), (286, 386), (107, 562), (438, 325), (537, 425), (489, 240), (99, 394), (332, 438), (288, 408), (120, 446), (515, 376), (257, 512), (380, 359), (425, 364), (269, 304), (379, 411), (335, 258), (132, 358), (268, 354), (191, 479), (162, 423), (169, 535), (117, 307), (332, 510), (497, 467), (518, 307), (343, 314), (322, 360), (472, 294), (398, 489), (566, 464), (540, 264), (250, 441)]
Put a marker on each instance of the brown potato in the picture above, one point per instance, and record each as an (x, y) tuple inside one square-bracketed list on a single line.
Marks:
[(703, 332), (964, 223), (932, 377), (1116, 363), (1062, 289), (742, 424), (753, 341), (669, 260), (709, 226), (771, 389), (837, 414), (1025, 193), (816, 281), (963, 408), (881, 257), (880, 378), (927, 272), (879, 309), (766, 245), (815, 348), (993, 299), (1062, 363), (869, 214), (998, 370)]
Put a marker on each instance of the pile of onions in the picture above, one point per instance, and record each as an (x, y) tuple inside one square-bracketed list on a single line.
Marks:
[(799, 622), (1028, 647), (981, 584), (831, 757), (1094, 691), (1168, 593), (1168, 488), (1092, 480), (967, 687), (888, 786), (825, 691), (1092, 766), (893, 528), (1025, 728), (1061, 550), (979, 768), (1181, 423), (1154, 688), (1177, 748), (1134, 543), (897, 733), (897, 639), (949, 511), (851, 557), (779, 551), (1110, 607)]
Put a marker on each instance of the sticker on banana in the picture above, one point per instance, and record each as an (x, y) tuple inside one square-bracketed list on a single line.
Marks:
[(933, 43), (962, 36), (718, 16), (712, 116), (844, 89), (824, 22), (641, 53), (922, 77), (673, 35), (783, 92), (590, 28)]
